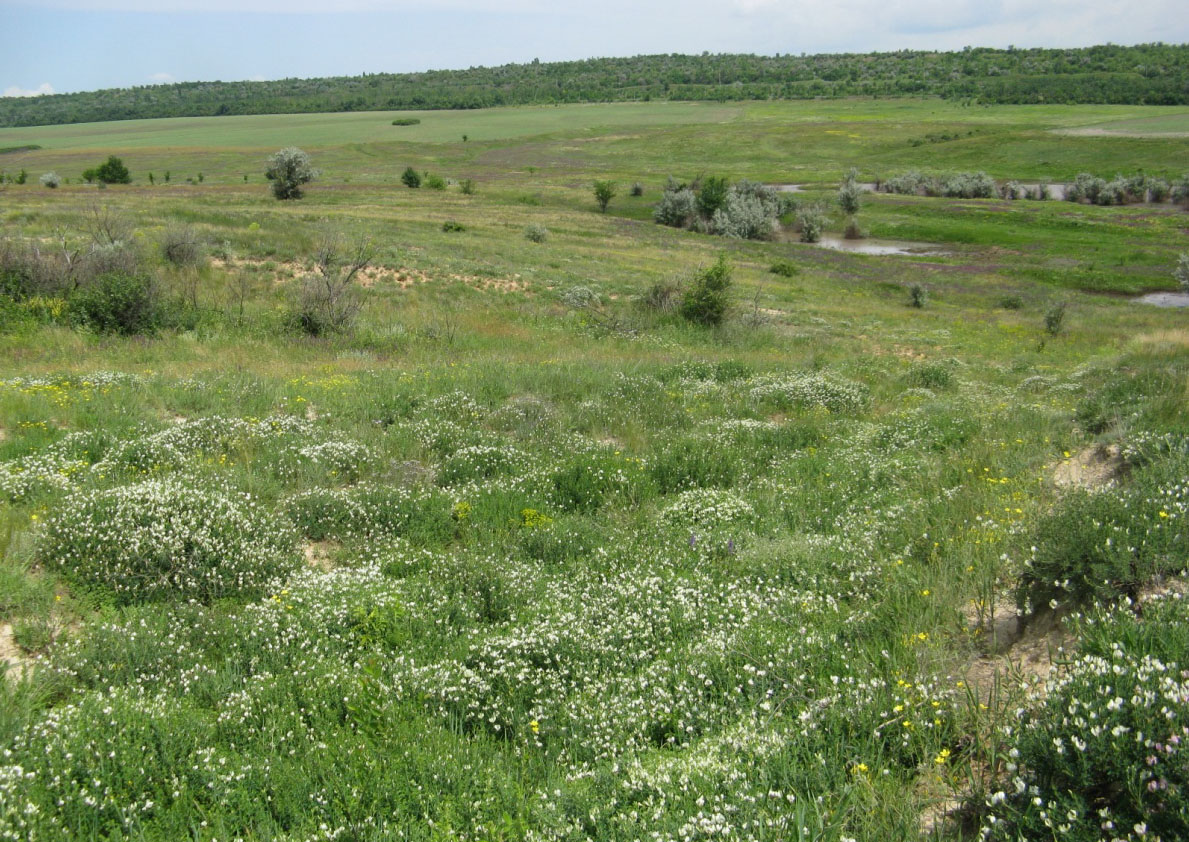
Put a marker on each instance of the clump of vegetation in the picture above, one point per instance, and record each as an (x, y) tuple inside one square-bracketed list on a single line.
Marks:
[(850, 200), (604, 192), (410, 178), (50, 180), (435, 182), (288, 170), (451, 226), (328, 300), (963, 185), (1106, 544), (406, 121), (785, 268), (162, 540), (746, 210), (115, 302), (1099, 752), (467, 186), (811, 221), (1181, 272), (637, 189), (708, 297), (536, 233), (111, 171), (1011, 302), (1055, 318), (183, 247), (918, 296)]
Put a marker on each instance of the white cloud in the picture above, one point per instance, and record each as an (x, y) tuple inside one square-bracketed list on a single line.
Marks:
[(162, 78), (43, 88)]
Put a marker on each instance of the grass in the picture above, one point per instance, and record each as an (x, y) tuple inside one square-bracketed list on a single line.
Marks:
[(582, 571)]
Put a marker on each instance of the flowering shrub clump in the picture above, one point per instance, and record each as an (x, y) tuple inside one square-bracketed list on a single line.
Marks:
[(161, 540), (708, 508), (807, 391), (1102, 754), (370, 511)]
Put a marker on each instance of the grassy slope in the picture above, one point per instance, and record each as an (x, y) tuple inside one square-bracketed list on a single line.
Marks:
[(488, 323)]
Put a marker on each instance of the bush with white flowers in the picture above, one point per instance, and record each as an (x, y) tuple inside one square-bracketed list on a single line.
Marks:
[(162, 540)]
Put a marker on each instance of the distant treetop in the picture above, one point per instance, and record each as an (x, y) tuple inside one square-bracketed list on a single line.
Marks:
[(1148, 74)]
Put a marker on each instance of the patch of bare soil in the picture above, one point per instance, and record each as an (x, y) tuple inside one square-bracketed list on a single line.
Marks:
[(317, 555), (13, 662), (1095, 467)]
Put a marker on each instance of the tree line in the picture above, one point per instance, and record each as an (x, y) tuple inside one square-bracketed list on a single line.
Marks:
[(1150, 74)]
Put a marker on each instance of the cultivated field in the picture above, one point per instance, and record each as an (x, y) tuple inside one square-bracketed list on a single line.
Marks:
[(524, 553)]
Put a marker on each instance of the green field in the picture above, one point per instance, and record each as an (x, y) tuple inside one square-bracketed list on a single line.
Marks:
[(518, 549)]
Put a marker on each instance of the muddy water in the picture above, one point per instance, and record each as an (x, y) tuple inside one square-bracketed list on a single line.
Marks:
[(878, 247), (1164, 299)]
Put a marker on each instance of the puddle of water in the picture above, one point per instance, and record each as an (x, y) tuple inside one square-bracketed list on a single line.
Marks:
[(1164, 299), (869, 186), (878, 247)]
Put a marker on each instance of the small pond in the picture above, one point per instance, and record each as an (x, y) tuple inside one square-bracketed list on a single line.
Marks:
[(1164, 299), (878, 247)]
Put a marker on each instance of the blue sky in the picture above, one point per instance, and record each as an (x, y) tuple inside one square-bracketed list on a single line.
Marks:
[(72, 45)]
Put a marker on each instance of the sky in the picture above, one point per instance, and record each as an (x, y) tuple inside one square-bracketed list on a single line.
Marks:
[(59, 46)]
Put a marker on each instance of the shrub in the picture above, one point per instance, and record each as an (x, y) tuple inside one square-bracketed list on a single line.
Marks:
[(467, 186), (1180, 190), (450, 226), (931, 375), (604, 192), (422, 517), (50, 180), (118, 303), (182, 247), (328, 302), (1055, 318), (1158, 189), (918, 296), (112, 171), (1181, 272), (977, 185), (1108, 543), (580, 297), (850, 195), (406, 121), (435, 182), (811, 219), (708, 297), (750, 212), (785, 268), (637, 189), (410, 178), (536, 233), (712, 196), (1100, 752), (288, 170), (678, 208), (661, 297), (1011, 302), (161, 540), (1085, 187)]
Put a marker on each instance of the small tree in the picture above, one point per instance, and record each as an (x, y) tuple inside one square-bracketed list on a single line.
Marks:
[(51, 180), (113, 171), (850, 195), (288, 170), (707, 299), (712, 195), (604, 192), (410, 178)]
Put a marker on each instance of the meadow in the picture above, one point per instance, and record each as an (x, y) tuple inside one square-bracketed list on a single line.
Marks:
[(895, 551)]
